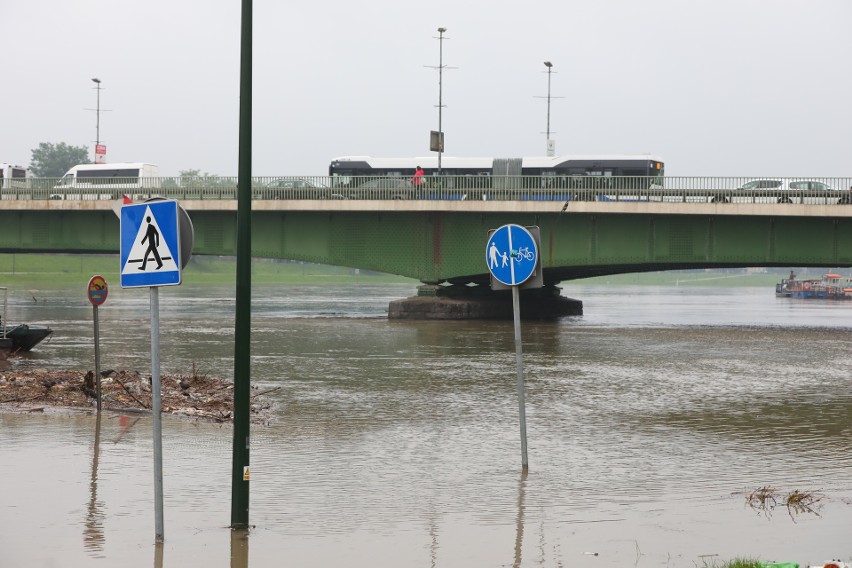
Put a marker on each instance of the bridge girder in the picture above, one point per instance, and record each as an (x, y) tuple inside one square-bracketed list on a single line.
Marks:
[(444, 246)]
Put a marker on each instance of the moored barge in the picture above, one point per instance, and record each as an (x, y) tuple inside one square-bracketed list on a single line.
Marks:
[(829, 287)]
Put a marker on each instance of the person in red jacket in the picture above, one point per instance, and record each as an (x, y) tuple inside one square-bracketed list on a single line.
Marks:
[(417, 180)]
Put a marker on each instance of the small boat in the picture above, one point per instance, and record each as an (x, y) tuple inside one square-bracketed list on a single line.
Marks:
[(24, 337), (829, 287), (20, 337)]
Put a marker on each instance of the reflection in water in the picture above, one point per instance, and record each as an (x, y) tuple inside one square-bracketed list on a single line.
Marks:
[(433, 546), (239, 548), (519, 523), (125, 425), (93, 532), (158, 554)]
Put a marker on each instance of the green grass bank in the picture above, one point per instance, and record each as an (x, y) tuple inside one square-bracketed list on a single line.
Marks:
[(26, 269), (39, 269)]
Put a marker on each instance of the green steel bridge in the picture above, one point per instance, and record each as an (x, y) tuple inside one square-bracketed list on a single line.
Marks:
[(438, 235)]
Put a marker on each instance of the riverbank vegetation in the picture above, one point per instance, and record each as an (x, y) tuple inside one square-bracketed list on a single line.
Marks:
[(736, 563)]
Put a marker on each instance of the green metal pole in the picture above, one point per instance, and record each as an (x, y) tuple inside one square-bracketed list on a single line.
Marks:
[(242, 339)]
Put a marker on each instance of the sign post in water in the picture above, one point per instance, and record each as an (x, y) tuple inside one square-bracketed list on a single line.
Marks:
[(512, 258), (97, 291), (156, 241)]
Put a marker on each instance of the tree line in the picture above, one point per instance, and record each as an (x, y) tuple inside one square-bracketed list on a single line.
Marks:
[(53, 160)]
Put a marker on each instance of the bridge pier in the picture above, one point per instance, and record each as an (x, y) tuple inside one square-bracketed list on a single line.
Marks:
[(480, 302)]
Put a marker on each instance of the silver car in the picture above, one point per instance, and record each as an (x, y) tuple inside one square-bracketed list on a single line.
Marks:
[(780, 190), (390, 187), (292, 188)]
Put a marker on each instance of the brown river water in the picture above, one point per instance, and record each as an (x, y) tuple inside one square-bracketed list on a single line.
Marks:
[(650, 419)]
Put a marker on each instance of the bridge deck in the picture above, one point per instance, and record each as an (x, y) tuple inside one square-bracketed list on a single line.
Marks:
[(425, 206)]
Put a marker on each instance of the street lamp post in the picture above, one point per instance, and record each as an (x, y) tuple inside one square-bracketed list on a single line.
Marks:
[(436, 141), (551, 145), (97, 112), (549, 66), (440, 94)]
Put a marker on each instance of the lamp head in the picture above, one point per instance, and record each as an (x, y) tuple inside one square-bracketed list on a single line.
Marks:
[(96, 80), (548, 64), (442, 30)]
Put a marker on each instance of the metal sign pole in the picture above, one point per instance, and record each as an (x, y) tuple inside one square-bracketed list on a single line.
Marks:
[(157, 230), (97, 356), (97, 290), (519, 363), (155, 409)]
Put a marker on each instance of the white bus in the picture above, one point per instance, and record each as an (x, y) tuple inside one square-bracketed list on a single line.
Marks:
[(13, 177), (106, 181)]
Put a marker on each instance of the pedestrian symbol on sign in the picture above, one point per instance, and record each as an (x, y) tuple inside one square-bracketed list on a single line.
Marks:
[(152, 235), (494, 253)]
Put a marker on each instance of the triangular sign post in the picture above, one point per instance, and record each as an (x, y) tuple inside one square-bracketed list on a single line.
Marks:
[(150, 257)]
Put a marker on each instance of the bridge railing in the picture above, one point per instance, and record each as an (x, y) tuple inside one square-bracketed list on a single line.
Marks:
[(807, 190)]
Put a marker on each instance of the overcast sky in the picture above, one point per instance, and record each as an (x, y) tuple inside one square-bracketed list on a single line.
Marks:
[(715, 87)]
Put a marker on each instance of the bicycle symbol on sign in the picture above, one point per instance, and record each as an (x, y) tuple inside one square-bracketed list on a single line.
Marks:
[(522, 253)]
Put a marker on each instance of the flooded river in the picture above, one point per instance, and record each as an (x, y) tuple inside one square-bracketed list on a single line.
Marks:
[(650, 419)]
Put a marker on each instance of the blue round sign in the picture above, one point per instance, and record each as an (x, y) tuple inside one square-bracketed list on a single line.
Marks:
[(511, 254)]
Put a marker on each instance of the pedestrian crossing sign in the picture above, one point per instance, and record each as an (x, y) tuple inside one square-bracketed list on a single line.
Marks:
[(150, 244)]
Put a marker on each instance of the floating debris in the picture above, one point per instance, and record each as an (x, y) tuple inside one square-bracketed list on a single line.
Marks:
[(194, 395), (765, 499)]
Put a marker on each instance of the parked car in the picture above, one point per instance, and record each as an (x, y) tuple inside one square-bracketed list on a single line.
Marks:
[(780, 190), (391, 187), (291, 183), (292, 188)]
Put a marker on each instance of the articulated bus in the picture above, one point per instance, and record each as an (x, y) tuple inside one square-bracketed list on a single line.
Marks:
[(600, 172)]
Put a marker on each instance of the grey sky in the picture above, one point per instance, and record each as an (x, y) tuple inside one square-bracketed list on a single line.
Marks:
[(715, 87)]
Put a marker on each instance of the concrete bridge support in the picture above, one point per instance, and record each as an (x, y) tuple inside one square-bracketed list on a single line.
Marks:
[(480, 302)]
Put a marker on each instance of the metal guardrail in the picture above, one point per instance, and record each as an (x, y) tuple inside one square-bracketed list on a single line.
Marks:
[(808, 190)]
